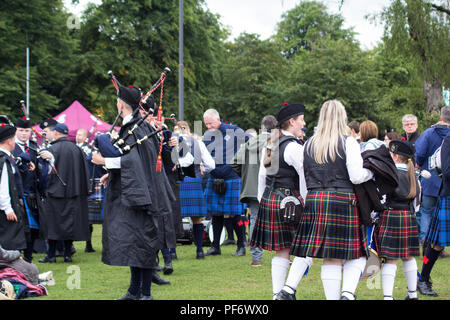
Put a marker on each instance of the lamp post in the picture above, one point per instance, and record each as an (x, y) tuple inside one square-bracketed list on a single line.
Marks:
[(180, 64)]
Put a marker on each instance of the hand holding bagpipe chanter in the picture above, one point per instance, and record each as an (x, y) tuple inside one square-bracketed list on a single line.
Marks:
[(110, 145), (43, 147)]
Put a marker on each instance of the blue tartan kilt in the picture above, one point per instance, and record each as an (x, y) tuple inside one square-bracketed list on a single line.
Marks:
[(227, 203), (439, 230), (192, 198)]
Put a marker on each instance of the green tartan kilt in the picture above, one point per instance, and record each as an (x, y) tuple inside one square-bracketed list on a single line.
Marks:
[(269, 232)]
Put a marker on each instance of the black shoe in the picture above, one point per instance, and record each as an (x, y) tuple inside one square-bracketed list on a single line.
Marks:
[(144, 297), (240, 252), (346, 298), (89, 247), (426, 288), (408, 298), (129, 296), (228, 242), (284, 295), (156, 279), (213, 252), (29, 260), (200, 255), (47, 260), (67, 259), (168, 268), (158, 268)]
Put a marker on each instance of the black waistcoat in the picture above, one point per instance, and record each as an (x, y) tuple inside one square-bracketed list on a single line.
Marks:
[(286, 176), (397, 200), (328, 175)]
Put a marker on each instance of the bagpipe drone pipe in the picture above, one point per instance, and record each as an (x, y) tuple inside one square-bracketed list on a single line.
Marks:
[(110, 145)]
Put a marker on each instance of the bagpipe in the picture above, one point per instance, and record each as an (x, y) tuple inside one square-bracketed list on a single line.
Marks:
[(25, 159), (110, 145)]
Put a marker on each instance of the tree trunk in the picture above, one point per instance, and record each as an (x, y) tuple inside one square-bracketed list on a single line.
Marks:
[(433, 95)]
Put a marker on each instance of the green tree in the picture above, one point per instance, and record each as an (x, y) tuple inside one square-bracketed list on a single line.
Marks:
[(306, 24), (250, 76), (419, 30), (41, 26), (137, 40)]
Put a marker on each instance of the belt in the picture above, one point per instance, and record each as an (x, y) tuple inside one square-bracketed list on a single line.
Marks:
[(337, 189)]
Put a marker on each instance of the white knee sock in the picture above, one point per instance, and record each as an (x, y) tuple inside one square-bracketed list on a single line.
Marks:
[(410, 271), (296, 272), (351, 275), (331, 276), (279, 270), (387, 280)]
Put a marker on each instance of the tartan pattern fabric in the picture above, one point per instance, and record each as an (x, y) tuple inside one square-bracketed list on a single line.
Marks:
[(330, 227), (439, 230), (397, 235), (226, 204), (269, 233), (192, 198)]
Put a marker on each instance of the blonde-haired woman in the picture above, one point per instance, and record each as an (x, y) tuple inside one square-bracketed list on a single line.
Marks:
[(330, 227)]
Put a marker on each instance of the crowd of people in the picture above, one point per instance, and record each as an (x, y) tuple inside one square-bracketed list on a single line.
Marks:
[(332, 196)]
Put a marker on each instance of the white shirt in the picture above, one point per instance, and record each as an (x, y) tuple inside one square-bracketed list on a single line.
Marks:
[(5, 199), (114, 163), (354, 163), (207, 160), (293, 156)]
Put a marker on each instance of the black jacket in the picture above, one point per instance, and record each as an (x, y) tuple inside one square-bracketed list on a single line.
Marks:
[(370, 193)]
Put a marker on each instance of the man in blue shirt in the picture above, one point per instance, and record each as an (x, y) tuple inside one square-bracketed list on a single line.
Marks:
[(224, 185), (426, 145)]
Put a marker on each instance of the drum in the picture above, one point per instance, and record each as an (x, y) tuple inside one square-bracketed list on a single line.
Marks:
[(95, 202)]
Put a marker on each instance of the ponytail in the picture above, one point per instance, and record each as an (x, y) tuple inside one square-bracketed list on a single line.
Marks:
[(412, 180)]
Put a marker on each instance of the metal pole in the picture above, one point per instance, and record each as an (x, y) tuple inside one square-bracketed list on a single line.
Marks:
[(180, 64), (28, 81)]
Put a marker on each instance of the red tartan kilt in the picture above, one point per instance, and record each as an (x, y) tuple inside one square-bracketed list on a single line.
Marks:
[(330, 227), (397, 235), (269, 232)]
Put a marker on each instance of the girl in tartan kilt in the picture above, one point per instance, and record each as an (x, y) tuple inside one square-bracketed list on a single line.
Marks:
[(195, 161), (330, 227), (281, 175), (438, 235), (397, 234)]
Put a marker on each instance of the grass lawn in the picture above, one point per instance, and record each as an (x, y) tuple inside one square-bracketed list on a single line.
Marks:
[(221, 277)]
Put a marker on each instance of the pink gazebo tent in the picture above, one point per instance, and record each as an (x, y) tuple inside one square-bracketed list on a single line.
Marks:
[(75, 117)]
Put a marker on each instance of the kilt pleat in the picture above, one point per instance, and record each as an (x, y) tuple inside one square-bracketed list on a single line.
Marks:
[(224, 204), (269, 233), (397, 235), (439, 230), (192, 198), (330, 227)]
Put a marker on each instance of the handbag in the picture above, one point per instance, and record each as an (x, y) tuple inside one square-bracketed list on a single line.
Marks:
[(291, 208), (219, 186)]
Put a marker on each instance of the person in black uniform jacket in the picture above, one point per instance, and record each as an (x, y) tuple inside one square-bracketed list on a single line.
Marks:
[(133, 202), (26, 150), (66, 207), (13, 220)]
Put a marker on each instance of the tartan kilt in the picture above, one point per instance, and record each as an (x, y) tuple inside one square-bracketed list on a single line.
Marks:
[(397, 235), (439, 230), (330, 227), (269, 233), (192, 198), (227, 203)]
